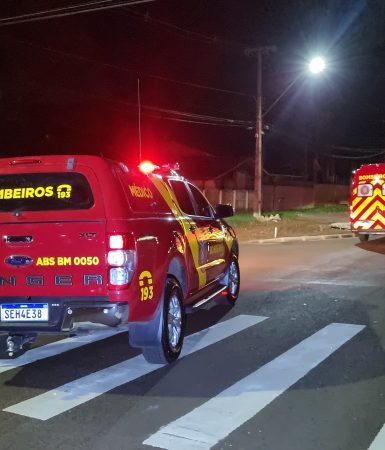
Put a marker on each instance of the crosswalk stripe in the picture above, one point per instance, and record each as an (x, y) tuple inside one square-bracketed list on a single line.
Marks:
[(58, 347), (379, 440), (211, 422), (63, 398)]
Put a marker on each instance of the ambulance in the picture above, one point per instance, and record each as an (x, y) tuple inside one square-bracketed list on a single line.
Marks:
[(367, 201), (84, 239)]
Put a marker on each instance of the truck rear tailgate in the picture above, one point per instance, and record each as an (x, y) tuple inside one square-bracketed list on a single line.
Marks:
[(53, 259)]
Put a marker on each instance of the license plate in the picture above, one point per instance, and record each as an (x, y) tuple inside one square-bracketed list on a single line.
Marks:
[(24, 312)]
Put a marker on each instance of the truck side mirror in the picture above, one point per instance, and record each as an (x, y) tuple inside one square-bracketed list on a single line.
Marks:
[(222, 211)]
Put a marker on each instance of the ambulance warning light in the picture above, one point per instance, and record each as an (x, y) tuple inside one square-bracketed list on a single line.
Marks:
[(147, 167)]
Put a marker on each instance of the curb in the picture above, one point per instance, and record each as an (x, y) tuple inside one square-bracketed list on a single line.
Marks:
[(280, 240)]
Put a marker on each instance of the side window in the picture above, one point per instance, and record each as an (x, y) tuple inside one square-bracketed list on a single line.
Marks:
[(183, 197), (203, 206), (142, 195)]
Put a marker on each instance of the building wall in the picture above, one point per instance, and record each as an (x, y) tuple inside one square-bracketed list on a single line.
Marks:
[(275, 198), (280, 197), (331, 193)]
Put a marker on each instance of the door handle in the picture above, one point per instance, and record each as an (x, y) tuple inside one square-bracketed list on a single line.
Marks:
[(18, 239)]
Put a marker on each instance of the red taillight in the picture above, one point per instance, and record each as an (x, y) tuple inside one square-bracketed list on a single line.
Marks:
[(121, 259), (117, 241)]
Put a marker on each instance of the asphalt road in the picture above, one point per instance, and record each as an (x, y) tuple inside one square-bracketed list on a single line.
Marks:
[(297, 364)]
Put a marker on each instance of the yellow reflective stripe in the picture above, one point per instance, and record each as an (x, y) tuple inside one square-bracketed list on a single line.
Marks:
[(355, 201), (364, 211), (365, 214), (229, 240), (173, 204), (379, 218)]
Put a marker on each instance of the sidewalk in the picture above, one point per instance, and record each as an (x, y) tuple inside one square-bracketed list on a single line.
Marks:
[(303, 228), (320, 237)]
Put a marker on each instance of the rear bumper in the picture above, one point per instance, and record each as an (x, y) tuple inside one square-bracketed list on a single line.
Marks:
[(64, 312), (368, 232)]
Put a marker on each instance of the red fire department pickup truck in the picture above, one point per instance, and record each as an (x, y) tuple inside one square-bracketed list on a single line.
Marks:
[(87, 239)]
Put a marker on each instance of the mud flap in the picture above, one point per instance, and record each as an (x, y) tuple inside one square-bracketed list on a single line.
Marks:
[(147, 334), (157, 345)]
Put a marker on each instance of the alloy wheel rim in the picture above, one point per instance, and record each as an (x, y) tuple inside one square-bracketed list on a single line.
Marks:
[(233, 278), (174, 321)]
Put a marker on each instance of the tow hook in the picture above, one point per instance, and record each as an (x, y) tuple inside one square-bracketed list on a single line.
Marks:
[(10, 346), (15, 342)]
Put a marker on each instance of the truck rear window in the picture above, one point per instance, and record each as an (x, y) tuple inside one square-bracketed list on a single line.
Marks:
[(44, 192)]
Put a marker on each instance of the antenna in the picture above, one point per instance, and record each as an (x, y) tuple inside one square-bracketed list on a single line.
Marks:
[(139, 124)]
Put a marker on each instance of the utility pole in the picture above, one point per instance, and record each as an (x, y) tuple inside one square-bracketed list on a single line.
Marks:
[(258, 52)]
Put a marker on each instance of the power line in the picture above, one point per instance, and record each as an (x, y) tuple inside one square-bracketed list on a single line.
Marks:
[(184, 32), (167, 114), (125, 69), (183, 116), (80, 8), (56, 10), (378, 152), (179, 116), (230, 125), (357, 149), (373, 155)]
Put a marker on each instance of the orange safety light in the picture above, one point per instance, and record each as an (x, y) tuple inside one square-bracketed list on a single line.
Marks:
[(147, 167)]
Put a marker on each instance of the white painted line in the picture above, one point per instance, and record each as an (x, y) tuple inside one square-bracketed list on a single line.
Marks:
[(379, 440), (58, 347), (72, 394), (289, 279), (206, 425)]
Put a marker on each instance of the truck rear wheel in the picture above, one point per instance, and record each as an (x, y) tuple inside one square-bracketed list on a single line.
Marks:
[(172, 327), (363, 237), (233, 281)]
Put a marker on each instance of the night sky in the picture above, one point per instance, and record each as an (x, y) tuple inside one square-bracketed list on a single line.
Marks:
[(70, 84)]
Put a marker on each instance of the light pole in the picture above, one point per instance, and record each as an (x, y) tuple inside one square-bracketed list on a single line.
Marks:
[(316, 66)]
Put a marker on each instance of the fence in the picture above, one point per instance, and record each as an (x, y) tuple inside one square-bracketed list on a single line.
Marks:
[(280, 197)]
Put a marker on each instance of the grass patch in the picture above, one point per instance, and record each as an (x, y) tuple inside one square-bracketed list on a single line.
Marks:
[(294, 213), (244, 218), (240, 219)]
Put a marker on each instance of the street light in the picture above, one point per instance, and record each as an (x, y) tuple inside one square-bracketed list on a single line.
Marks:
[(316, 66)]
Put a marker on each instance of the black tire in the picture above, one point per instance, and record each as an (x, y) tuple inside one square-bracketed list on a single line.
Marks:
[(172, 327), (363, 237), (233, 280)]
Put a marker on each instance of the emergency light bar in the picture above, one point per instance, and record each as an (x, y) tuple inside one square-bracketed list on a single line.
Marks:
[(364, 190), (148, 167)]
